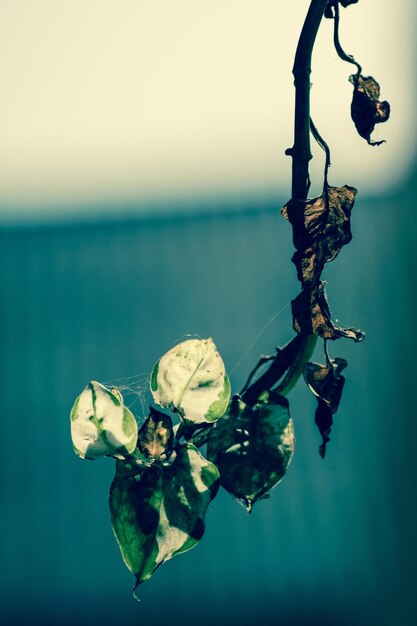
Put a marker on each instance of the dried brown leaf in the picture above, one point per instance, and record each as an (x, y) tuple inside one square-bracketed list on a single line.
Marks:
[(155, 436), (366, 109), (326, 382), (320, 228), (324, 422), (311, 315)]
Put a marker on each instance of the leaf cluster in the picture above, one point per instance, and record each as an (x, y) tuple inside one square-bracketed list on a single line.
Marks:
[(163, 484)]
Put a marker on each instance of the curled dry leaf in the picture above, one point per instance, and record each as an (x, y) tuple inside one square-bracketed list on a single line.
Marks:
[(324, 422), (366, 109), (320, 228), (155, 437), (326, 382), (252, 446), (311, 315)]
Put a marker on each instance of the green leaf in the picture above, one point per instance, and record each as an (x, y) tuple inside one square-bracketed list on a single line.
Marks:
[(252, 446), (191, 377), (100, 423), (159, 512), (155, 437)]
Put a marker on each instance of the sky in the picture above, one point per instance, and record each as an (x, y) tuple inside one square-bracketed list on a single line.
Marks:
[(133, 101)]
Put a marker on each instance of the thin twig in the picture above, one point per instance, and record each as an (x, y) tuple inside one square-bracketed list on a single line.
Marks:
[(292, 358), (326, 353), (324, 146), (281, 363), (262, 361), (297, 365), (202, 437)]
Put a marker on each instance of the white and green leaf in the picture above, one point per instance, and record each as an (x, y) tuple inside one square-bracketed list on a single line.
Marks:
[(101, 425), (159, 513), (191, 377)]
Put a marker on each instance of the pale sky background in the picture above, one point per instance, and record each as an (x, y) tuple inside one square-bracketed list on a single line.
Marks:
[(113, 101)]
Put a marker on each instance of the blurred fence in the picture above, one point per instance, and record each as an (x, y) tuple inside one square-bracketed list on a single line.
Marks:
[(335, 544)]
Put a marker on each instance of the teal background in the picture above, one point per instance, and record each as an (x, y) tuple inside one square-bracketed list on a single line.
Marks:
[(335, 544)]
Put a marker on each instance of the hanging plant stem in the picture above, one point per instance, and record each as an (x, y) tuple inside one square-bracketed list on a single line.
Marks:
[(338, 46), (301, 155)]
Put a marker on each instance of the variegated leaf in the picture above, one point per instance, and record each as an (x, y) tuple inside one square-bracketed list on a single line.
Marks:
[(101, 425), (191, 377), (252, 446), (159, 513)]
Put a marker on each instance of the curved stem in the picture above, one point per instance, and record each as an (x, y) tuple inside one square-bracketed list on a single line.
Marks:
[(325, 147), (299, 351), (202, 437), (279, 366), (342, 54), (296, 369)]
